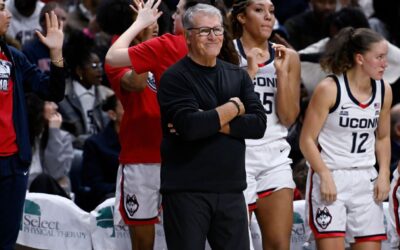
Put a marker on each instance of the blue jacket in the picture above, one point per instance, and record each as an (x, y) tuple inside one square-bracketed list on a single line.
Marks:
[(100, 163), (27, 77)]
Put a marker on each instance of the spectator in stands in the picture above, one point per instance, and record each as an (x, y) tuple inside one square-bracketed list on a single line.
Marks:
[(286, 9), (311, 71), (25, 19), (36, 51), (100, 155), (84, 94), (52, 150), (17, 76), (310, 26), (82, 14), (82, 17), (208, 107), (386, 19)]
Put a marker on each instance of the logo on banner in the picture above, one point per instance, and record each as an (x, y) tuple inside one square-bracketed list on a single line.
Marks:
[(35, 223), (298, 228), (33, 220), (131, 204), (105, 220), (323, 218)]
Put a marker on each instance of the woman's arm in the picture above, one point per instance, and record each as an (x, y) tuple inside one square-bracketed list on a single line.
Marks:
[(382, 148), (287, 64), (322, 100), (117, 55)]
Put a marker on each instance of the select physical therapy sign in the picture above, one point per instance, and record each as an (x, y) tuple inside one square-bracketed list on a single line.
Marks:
[(106, 235), (52, 222)]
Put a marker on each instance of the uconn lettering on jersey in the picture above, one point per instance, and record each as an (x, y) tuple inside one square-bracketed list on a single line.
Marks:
[(5, 69), (346, 122), (265, 81)]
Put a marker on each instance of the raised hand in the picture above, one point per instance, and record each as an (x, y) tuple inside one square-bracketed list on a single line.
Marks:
[(281, 61), (54, 34), (147, 13)]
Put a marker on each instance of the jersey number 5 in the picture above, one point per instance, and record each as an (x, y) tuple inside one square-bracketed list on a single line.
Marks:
[(267, 101)]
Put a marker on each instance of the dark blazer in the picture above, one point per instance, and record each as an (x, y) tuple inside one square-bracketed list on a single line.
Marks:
[(27, 77)]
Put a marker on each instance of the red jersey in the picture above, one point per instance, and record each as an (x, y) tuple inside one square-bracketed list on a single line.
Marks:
[(140, 132), (8, 144), (158, 54)]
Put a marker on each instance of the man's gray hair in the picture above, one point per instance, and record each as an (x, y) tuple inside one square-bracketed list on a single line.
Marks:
[(205, 9)]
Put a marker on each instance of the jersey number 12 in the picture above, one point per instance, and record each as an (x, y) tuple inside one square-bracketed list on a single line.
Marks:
[(358, 142)]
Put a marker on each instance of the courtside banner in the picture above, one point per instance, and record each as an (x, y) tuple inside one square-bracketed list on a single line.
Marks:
[(54, 222), (106, 235), (300, 230)]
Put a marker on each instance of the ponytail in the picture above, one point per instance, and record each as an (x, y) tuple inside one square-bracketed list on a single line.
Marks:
[(340, 50)]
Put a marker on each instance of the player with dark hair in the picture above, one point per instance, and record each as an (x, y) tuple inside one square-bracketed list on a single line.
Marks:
[(346, 129), (275, 71)]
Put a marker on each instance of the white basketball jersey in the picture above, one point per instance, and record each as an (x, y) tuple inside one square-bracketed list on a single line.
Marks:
[(265, 85), (347, 138)]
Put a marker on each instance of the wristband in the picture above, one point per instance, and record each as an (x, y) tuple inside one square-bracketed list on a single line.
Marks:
[(236, 104)]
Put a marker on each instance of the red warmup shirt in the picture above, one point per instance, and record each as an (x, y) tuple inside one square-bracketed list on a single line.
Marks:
[(8, 144), (140, 132), (158, 54)]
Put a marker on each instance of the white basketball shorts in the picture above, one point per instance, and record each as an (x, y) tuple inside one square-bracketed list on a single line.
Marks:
[(137, 197), (268, 170), (354, 215)]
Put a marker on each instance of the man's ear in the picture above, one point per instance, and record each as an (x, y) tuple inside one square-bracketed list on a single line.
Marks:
[(186, 33)]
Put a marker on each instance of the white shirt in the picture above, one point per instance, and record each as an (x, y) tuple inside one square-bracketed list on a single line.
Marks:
[(86, 98), (22, 27)]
